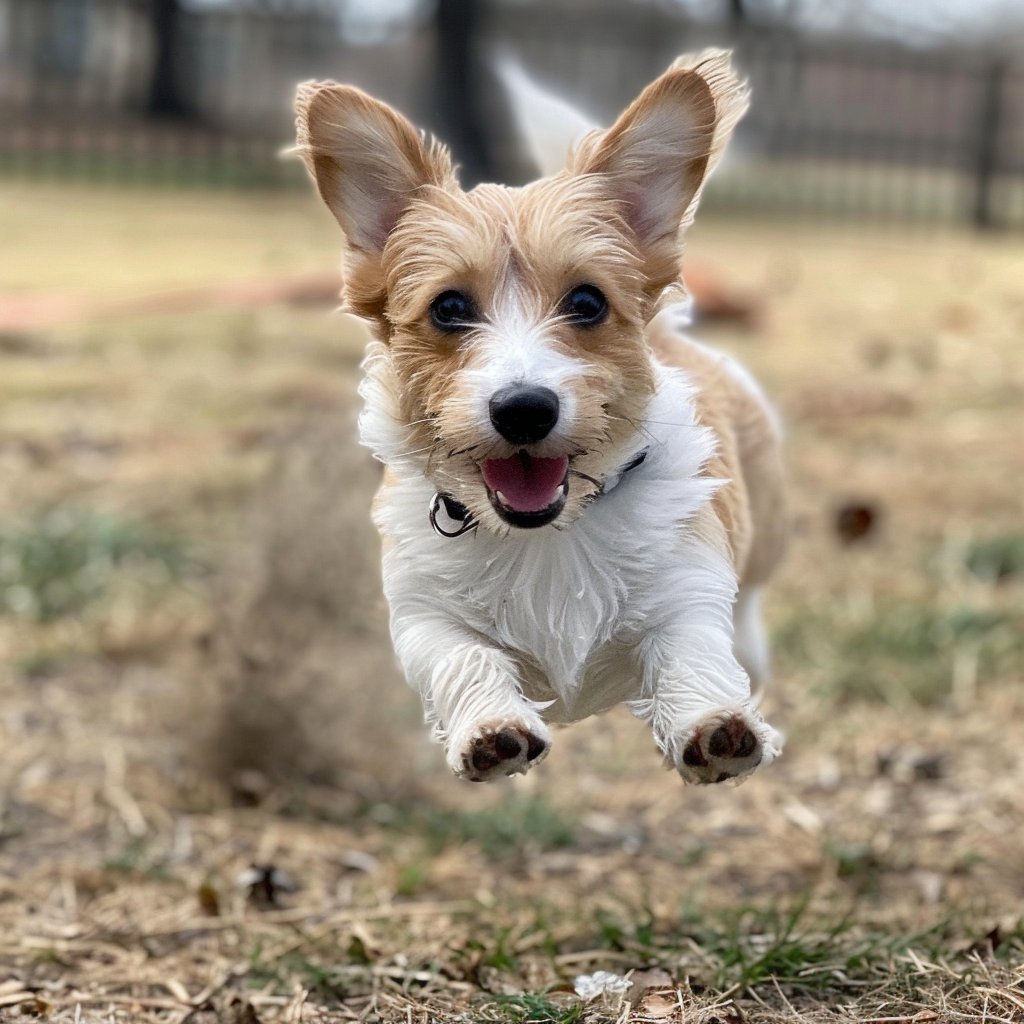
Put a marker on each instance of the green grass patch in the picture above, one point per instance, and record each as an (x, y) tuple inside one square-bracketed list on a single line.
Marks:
[(529, 1009), (805, 952), (136, 858), (70, 557), (758, 946), (636, 933), (510, 828), (896, 651), (765, 952), (997, 558)]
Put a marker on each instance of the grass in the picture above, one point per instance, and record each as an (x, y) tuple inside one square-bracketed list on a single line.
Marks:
[(530, 1009), (997, 559), (842, 885), (510, 828), (136, 859), (901, 651), (67, 558), (783, 946), (119, 242)]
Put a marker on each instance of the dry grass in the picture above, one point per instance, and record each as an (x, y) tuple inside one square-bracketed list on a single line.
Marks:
[(210, 688)]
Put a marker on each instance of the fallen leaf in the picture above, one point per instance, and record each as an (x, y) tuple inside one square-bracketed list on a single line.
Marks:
[(660, 1005), (855, 520)]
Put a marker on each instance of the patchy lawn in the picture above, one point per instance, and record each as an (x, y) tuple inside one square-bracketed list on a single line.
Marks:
[(217, 802)]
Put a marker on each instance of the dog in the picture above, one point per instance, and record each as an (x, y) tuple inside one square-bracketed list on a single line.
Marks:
[(580, 506)]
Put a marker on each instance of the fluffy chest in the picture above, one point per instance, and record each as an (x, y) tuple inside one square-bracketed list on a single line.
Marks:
[(559, 598), (556, 597)]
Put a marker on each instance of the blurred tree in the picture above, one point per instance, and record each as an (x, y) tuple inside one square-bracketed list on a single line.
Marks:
[(737, 13), (458, 87)]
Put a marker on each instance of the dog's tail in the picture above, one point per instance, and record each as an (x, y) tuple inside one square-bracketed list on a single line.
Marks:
[(550, 127)]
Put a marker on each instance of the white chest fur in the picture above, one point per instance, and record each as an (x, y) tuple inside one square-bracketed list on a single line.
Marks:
[(562, 598)]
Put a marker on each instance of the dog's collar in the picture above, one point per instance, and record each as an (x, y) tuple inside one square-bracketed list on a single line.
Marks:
[(612, 482), (450, 518)]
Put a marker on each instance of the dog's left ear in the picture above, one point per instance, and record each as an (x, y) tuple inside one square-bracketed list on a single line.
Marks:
[(657, 155)]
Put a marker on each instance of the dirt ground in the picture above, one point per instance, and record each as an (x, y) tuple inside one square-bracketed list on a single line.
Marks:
[(217, 802)]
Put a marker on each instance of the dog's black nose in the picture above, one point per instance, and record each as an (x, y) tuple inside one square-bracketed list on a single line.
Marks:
[(523, 413)]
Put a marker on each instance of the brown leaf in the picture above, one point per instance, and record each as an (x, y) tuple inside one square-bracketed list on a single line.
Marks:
[(644, 981), (660, 1005), (209, 900), (35, 1007), (855, 520)]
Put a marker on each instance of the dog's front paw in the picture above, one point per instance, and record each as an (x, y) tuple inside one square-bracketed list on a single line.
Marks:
[(726, 745), (508, 748)]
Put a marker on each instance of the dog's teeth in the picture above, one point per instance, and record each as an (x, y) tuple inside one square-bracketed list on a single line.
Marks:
[(500, 497)]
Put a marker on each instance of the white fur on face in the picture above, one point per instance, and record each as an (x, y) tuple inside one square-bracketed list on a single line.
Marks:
[(516, 346)]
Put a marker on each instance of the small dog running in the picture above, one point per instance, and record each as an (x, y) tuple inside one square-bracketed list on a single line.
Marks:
[(580, 505)]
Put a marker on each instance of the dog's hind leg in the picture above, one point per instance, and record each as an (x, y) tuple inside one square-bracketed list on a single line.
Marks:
[(749, 642)]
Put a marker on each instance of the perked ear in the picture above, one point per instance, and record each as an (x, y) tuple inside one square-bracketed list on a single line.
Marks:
[(368, 161), (658, 154)]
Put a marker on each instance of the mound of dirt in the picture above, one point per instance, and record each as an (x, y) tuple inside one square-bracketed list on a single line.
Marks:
[(298, 666)]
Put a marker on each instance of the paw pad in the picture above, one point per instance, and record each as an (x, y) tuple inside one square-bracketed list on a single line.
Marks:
[(509, 750), (720, 749)]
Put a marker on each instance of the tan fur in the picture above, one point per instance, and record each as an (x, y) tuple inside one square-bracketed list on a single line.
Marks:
[(751, 506)]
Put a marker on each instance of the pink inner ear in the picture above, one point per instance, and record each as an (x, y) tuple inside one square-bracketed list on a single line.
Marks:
[(656, 155), (642, 209), (371, 205), (384, 211), (368, 162)]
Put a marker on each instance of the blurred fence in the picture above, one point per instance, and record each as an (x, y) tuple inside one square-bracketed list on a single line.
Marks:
[(198, 91)]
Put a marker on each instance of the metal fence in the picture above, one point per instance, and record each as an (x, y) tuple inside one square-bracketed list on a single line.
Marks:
[(185, 92)]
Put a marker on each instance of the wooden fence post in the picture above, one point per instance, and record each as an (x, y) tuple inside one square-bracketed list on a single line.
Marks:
[(458, 88), (165, 99), (986, 162)]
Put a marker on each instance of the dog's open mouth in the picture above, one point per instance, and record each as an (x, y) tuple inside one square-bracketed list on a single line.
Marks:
[(527, 491)]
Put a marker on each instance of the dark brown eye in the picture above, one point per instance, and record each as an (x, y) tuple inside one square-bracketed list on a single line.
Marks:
[(584, 306), (452, 311)]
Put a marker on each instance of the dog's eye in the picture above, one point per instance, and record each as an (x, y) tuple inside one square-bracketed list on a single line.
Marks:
[(585, 306), (452, 311)]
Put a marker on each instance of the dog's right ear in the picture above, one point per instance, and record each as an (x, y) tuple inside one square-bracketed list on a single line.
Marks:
[(655, 158), (368, 161)]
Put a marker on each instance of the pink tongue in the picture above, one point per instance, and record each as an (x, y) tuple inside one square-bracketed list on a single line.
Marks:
[(526, 484)]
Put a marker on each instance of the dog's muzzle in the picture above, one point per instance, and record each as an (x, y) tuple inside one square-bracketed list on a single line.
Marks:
[(450, 518)]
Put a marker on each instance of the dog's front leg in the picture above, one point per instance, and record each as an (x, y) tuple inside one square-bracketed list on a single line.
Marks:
[(700, 709), (696, 696), (472, 695)]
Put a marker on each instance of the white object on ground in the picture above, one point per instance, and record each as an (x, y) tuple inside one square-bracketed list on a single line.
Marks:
[(601, 983)]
